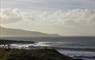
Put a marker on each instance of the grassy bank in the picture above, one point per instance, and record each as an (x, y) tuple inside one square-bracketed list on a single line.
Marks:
[(33, 54)]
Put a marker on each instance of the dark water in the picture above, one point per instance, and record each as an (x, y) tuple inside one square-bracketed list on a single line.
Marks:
[(77, 47), (71, 42)]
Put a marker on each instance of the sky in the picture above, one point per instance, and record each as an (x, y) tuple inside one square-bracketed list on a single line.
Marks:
[(48, 4), (63, 17)]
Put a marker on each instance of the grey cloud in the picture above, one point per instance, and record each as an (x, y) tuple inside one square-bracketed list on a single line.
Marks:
[(64, 22), (10, 16)]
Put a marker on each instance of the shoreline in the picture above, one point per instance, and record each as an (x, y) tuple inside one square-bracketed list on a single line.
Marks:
[(32, 54)]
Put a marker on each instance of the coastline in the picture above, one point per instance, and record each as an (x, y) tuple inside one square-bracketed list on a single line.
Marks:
[(32, 54)]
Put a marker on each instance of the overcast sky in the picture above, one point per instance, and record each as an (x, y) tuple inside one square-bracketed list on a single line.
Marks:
[(63, 17), (49, 4)]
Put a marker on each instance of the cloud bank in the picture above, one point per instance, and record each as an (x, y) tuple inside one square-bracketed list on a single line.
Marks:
[(10, 16), (64, 22)]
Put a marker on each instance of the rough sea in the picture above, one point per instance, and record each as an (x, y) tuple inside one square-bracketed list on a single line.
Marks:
[(76, 47)]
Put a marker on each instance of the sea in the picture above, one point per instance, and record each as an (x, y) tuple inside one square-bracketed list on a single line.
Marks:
[(76, 47)]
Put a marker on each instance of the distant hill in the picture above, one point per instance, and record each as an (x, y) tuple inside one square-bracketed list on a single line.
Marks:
[(17, 33)]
